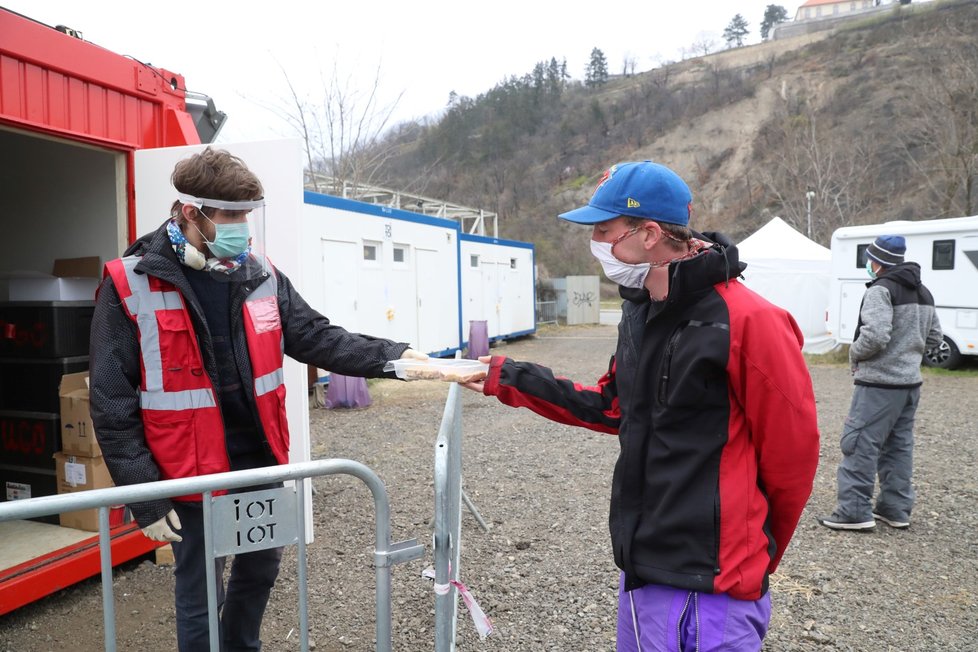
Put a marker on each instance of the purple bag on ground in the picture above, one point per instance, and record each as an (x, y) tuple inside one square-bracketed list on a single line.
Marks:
[(347, 392), (478, 339)]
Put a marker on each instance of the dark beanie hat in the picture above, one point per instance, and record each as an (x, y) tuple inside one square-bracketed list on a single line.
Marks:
[(888, 250)]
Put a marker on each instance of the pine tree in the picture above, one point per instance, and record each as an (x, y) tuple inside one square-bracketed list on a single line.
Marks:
[(736, 31), (773, 15), (596, 73)]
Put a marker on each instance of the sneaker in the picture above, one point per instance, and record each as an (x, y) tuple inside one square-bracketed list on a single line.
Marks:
[(900, 525), (836, 522)]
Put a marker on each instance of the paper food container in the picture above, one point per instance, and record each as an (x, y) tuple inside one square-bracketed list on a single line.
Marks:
[(448, 370)]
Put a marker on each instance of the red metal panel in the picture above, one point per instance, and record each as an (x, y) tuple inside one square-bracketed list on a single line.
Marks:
[(109, 97), (57, 89)]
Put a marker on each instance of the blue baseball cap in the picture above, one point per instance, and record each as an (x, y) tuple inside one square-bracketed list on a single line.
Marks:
[(645, 190)]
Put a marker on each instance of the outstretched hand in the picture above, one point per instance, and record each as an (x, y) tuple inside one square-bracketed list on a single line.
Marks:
[(411, 354), (478, 385)]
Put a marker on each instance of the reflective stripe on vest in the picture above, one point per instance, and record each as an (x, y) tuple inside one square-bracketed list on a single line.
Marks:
[(142, 303), (267, 381), (266, 348)]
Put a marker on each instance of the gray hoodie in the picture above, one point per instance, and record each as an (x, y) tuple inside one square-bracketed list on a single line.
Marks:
[(897, 324)]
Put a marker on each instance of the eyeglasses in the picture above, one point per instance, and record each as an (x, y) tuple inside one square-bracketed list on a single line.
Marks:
[(623, 236)]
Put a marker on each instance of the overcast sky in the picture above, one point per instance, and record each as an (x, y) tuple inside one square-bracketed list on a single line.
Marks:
[(235, 52)]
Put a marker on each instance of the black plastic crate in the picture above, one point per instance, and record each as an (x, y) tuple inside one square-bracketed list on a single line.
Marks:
[(31, 384), (29, 438), (25, 482), (53, 329)]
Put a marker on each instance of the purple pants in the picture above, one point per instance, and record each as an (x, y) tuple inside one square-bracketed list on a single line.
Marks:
[(659, 618)]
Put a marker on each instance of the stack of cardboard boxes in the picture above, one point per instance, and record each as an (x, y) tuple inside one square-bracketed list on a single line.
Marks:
[(79, 464)]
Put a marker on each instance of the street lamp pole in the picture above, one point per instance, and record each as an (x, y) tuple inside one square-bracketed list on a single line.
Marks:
[(810, 195)]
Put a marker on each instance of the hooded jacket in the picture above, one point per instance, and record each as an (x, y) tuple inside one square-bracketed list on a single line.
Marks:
[(714, 410), (897, 324), (115, 357)]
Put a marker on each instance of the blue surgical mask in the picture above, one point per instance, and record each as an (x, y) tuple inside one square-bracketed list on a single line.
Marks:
[(869, 268), (230, 240)]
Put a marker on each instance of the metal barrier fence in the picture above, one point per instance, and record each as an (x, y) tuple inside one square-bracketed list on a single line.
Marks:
[(246, 524), (546, 312), (447, 537)]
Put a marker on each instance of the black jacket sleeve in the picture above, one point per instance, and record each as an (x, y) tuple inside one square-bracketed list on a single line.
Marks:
[(311, 338)]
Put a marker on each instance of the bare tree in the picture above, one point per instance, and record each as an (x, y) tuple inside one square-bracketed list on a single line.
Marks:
[(341, 129), (939, 133), (704, 44), (840, 171), (628, 65)]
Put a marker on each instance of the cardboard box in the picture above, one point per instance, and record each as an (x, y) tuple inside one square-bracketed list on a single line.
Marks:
[(52, 289), (77, 431), (81, 474), (73, 279)]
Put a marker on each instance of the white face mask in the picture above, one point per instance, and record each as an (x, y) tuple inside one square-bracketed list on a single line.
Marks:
[(624, 274)]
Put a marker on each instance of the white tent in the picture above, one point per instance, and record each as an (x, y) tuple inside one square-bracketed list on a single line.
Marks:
[(793, 272)]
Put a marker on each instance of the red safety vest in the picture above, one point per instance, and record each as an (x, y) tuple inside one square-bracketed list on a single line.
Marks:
[(179, 410)]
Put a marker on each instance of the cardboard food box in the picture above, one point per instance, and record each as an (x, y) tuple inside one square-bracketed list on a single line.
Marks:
[(81, 474), (77, 432), (73, 279)]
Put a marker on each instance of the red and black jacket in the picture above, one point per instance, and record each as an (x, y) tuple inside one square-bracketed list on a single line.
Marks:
[(715, 414)]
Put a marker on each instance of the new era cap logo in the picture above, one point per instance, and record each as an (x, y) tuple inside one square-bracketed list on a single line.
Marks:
[(632, 203)]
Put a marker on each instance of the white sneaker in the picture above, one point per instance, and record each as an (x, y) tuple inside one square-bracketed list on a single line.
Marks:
[(900, 525)]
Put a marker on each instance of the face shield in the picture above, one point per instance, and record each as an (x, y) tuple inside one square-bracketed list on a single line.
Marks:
[(236, 243)]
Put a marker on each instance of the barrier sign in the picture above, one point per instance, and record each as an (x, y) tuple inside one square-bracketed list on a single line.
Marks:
[(256, 520)]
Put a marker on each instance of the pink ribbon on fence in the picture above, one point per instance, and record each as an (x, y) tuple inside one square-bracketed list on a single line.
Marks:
[(483, 624)]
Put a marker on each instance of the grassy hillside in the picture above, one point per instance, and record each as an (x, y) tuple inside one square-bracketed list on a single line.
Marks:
[(879, 119)]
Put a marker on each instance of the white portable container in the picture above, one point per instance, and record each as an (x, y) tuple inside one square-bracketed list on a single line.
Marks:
[(382, 271), (498, 286)]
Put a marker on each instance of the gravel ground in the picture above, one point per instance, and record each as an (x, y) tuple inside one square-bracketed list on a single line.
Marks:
[(544, 572)]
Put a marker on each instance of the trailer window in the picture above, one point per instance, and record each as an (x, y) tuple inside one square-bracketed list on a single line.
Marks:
[(861, 255), (400, 254), (512, 263), (474, 260), (370, 251), (943, 257)]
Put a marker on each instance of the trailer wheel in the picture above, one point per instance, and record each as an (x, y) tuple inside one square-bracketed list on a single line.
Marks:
[(945, 356)]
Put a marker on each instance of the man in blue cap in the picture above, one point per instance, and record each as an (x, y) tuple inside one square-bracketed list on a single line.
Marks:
[(714, 410), (897, 324)]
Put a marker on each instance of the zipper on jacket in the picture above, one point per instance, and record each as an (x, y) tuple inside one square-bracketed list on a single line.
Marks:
[(679, 623), (667, 363)]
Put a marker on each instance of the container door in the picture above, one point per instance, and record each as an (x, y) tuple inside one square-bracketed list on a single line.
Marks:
[(341, 262), (851, 297), (432, 314)]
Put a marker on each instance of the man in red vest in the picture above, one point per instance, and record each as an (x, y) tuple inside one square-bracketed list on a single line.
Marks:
[(188, 337)]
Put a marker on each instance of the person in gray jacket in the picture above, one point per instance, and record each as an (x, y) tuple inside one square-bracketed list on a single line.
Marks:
[(897, 324)]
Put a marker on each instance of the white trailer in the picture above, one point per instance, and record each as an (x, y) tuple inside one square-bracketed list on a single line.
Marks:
[(498, 286), (947, 252), (382, 271)]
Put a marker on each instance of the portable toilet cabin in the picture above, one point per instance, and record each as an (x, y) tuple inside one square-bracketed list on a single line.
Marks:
[(498, 285), (383, 271)]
